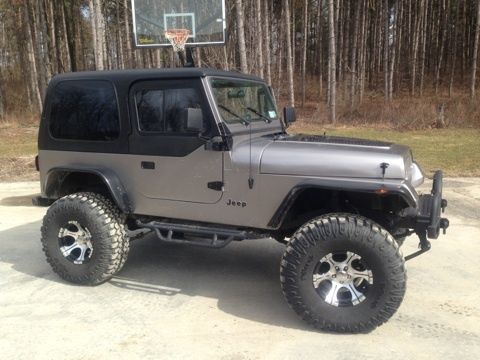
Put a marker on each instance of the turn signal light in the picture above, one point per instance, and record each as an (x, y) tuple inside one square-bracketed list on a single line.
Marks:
[(381, 191)]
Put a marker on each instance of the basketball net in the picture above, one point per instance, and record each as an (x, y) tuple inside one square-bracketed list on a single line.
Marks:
[(178, 38)]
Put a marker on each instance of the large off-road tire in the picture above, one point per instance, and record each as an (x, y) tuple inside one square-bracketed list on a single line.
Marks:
[(343, 273), (84, 238)]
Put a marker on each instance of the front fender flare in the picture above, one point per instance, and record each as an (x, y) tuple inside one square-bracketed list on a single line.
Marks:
[(400, 188)]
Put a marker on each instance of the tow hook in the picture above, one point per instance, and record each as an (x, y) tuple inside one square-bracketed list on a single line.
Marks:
[(424, 245)]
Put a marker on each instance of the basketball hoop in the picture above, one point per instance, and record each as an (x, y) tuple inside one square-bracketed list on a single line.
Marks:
[(178, 38)]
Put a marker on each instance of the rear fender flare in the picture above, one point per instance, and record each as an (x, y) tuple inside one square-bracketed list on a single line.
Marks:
[(56, 176)]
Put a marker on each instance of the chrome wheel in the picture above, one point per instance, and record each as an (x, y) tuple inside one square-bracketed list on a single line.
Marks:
[(342, 279), (75, 242)]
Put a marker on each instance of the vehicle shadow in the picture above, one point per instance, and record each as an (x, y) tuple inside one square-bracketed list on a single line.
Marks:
[(23, 200), (244, 277)]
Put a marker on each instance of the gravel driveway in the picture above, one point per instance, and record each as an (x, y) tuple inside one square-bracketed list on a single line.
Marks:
[(184, 302)]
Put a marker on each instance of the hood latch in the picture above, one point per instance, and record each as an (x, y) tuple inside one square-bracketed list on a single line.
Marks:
[(384, 167)]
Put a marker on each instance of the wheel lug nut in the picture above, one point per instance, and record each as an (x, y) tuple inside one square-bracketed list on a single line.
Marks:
[(345, 268), (334, 276), (337, 268)]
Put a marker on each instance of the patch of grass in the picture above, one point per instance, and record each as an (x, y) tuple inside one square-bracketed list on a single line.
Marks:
[(17, 141), (18, 169), (18, 146), (456, 151)]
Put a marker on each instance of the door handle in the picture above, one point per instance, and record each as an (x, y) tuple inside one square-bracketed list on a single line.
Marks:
[(215, 185), (148, 165)]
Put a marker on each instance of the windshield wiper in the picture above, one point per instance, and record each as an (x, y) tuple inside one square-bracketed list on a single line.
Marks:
[(231, 112), (267, 120)]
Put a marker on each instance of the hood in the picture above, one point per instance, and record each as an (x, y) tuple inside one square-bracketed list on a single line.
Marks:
[(329, 156)]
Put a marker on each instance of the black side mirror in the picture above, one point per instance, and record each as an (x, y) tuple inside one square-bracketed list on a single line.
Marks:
[(192, 120), (289, 115)]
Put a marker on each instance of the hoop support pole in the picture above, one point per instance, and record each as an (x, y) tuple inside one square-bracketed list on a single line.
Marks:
[(186, 57)]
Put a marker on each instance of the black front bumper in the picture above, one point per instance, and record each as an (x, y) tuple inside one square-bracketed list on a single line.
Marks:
[(426, 219), (430, 209)]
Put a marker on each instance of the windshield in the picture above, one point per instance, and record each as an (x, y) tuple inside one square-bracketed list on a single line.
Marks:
[(243, 99)]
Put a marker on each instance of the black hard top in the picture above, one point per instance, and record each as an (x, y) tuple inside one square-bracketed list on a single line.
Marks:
[(145, 74)]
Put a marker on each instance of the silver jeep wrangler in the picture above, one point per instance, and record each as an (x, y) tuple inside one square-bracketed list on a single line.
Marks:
[(202, 157)]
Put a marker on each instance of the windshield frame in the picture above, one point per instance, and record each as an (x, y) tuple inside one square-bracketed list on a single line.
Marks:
[(259, 123)]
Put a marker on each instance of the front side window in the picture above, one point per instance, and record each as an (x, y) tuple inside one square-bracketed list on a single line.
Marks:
[(243, 99), (166, 110), (84, 110)]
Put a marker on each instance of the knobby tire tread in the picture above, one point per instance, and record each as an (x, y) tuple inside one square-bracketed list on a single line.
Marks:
[(357, 228), (113, 238)]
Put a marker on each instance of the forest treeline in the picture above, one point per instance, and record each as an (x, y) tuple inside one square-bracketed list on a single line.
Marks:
[(326, 54)]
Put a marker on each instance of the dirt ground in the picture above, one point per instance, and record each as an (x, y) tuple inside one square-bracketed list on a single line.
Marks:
[(184, 302)]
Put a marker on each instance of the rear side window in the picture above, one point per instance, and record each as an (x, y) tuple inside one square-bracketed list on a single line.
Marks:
[(84, 110)]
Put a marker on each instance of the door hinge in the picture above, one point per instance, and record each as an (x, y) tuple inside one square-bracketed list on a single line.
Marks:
[(215, 185)]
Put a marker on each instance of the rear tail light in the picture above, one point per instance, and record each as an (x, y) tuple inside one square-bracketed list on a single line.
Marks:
[(37, 164)]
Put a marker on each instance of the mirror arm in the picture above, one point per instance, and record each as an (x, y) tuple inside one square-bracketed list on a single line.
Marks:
[(219, 143)]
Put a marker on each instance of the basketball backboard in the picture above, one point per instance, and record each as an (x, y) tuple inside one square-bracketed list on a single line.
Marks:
[(205, 20)]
